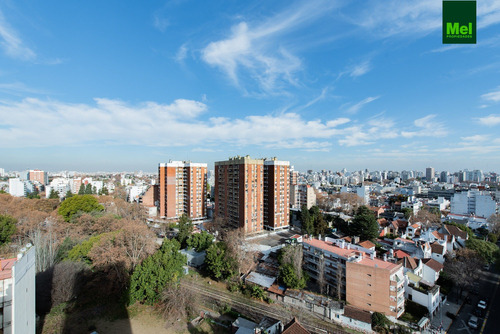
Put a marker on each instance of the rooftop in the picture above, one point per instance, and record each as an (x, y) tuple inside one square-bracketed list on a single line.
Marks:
[(6, 268), (350, 253)]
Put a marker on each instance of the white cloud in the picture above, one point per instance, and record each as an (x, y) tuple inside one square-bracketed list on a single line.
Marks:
[(12, 43), (493, 96), (415, 18), (257, 51), (360, 69), (426, 127), (490, 120), (180, 123), (181, 54), (160, 23), (474, 139), (356, 107)]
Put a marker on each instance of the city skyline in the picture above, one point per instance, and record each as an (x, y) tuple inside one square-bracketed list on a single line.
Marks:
[(322, 84)]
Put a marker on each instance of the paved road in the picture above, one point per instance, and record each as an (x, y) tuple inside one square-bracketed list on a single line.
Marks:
[(487, 288)]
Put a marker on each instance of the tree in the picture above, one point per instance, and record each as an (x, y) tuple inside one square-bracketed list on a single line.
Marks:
[(53, 194), (85, 203), (200, 241), (82, 190), (426, 218), (321, 274), (464, 268), (185, 230), (364, 224), (154, 274), (320, 225), (178, 301), (494, 223), (219, 263), (307, 221), (88, 189), (7, 228), (488, 251), (104, 191), (288, 277), (68, 194), (380, 323), (407, 212)]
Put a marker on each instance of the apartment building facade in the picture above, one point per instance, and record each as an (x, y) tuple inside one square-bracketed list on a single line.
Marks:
[(302, 194), (253, 194), (182, 190), (356, 275), (39, 176), (276, 194)]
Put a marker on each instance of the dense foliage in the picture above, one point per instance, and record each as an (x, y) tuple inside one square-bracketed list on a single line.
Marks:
[(313, 221), (151, 277), (364, 224), (80, 203), (7, 228), (219, 262), (200, 241), (81, 251), (288, 277), (185, 230), (488, 251)]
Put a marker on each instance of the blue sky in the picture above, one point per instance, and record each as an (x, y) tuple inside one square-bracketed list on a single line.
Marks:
[(124, 85)]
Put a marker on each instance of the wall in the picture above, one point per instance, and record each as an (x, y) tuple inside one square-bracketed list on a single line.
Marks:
[(23, 306)]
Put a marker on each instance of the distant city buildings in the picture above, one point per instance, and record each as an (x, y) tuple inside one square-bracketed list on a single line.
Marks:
[(17, 187), (182, 190), (253, 194), (429, 174), (473, 202), (37, 175)]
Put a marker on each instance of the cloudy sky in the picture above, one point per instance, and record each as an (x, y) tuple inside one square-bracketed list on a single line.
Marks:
[(124, 85)]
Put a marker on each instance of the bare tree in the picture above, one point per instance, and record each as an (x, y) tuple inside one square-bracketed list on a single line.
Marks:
[(65, 281), (239, 249), (494, 221), (321, 274), (178, 301), (293, 254), (426, 218), (45, 243), (340, 277), (464, 268)]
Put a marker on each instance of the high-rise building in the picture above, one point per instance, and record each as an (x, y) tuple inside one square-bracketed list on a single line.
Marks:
[(182, 190), (252, 194), (429, 174), (473, 202), (354, 273), (39, 176), (17, 187), (276, 194)]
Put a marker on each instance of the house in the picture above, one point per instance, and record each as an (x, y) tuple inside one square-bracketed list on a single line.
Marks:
[(422, 292), (194, 258), (438, 251), (459, 235), (367, 244), (399, 254), (431, 270), (413, 231), (357, 319), (294, 327), (243, 326), (412, 265)]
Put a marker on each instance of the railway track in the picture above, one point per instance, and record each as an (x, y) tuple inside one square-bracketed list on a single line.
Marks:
[(307, 319)]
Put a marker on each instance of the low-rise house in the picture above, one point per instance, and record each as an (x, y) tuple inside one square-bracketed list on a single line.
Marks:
[(459, 236), (413, 230), (412, 265), (422, 292), (194, 258), (294, 327), (438, 251), (431, 270), (357, 319)]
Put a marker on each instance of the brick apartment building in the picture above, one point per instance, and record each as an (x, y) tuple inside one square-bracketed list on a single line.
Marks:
[(182, 190), (39, 176), (365, 281), (253, 193)]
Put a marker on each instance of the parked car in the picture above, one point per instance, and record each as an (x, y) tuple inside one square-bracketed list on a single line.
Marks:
[(473, 322), (482, 304)]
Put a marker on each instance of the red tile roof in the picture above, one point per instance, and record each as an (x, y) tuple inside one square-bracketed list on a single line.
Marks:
[(400, 254), (453, 230), (294, 327), (6, 268), (358, 314), (437, 248), (367, 244), (433, 264)]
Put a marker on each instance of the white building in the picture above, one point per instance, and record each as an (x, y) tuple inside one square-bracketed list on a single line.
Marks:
[(473, 202), (440, 203), (60, 185), (2, 172), (17, 293), (17, 187)]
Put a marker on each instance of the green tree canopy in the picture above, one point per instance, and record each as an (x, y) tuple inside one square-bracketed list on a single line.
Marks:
[(81, 251), (7, 228), (88, 189), (152, 276), (53, 194), (288, 277), (488, 251), (185, 230), (68, 194), (219, 263), (82, 190), (364, 224), (200, 241), (84, 203)]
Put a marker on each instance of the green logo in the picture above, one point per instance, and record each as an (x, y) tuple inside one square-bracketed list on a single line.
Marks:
[(459, 22)]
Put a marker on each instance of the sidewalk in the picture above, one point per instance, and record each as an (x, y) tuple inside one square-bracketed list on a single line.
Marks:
[(440, 320)]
